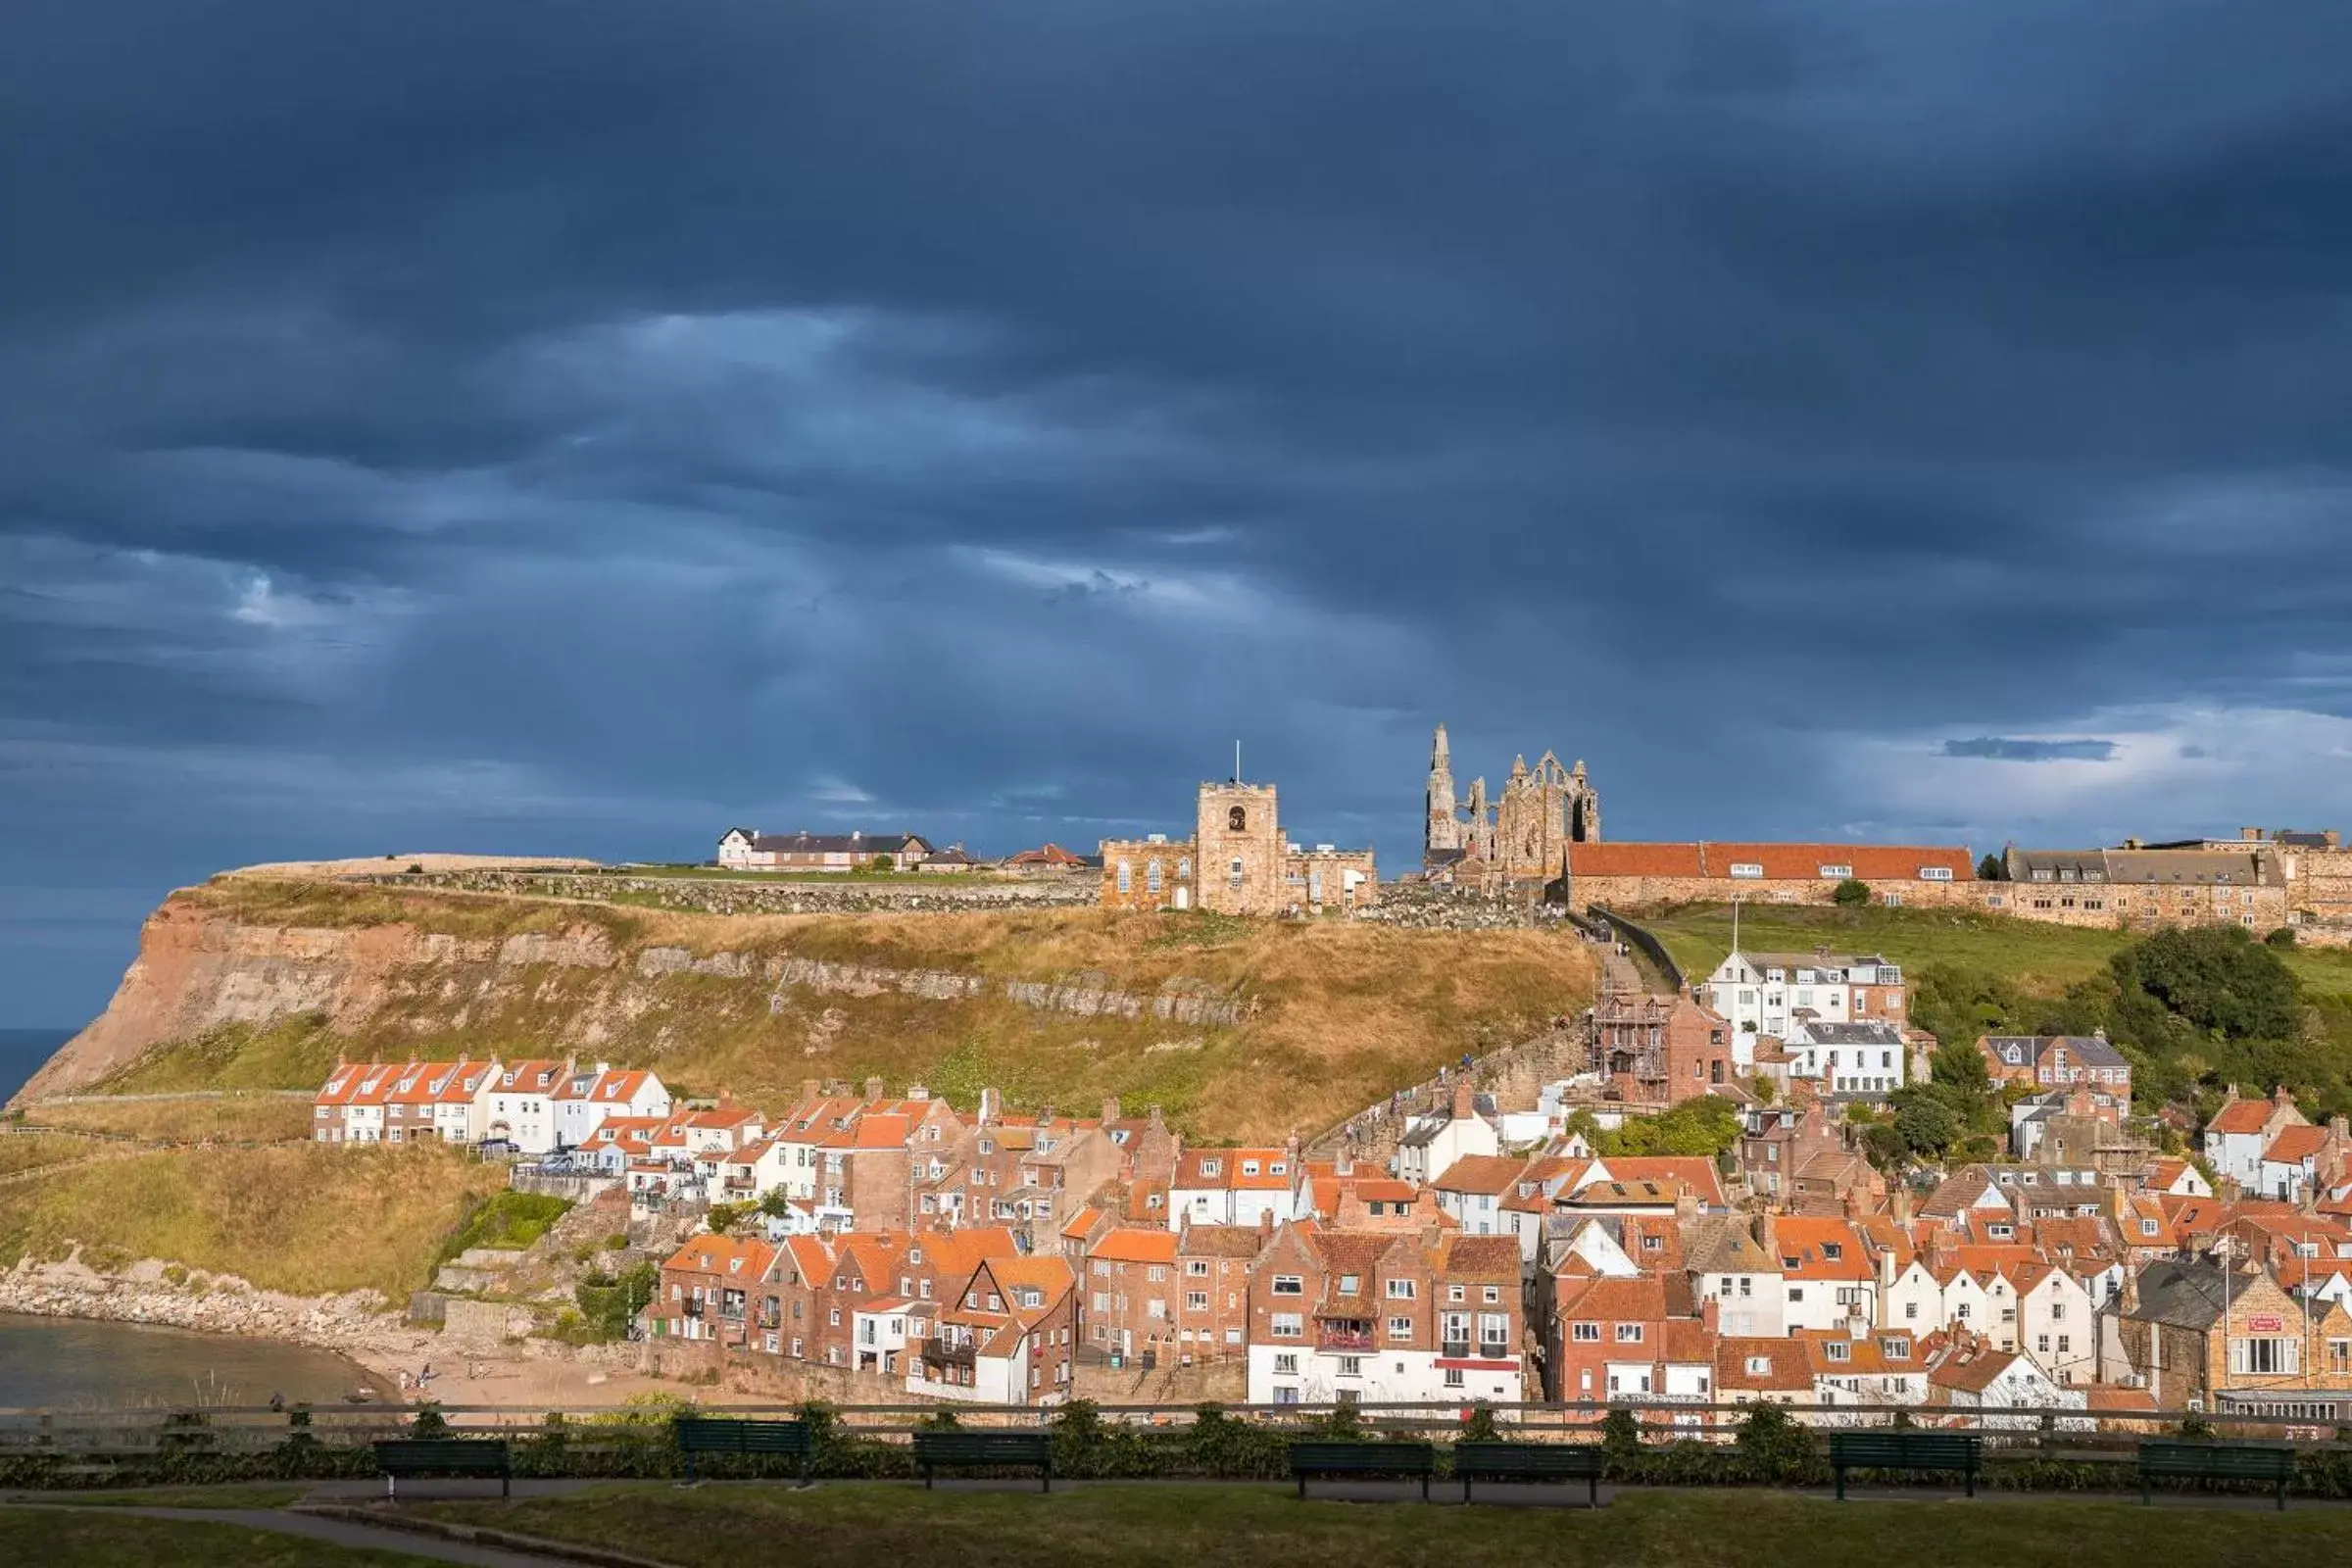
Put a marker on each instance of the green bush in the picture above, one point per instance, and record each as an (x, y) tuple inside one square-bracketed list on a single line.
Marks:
[(1774, 1447), (1851, 894)]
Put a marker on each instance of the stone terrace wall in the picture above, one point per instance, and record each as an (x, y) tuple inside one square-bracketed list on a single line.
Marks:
[(732, 896)]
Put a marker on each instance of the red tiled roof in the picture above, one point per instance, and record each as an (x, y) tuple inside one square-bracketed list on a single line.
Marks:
[(2241, 1116), (1780, 863), (1489, 1174), (2295, 1144), (1134, 1245)]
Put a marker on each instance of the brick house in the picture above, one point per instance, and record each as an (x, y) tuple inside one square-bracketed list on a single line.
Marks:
[(711, 1288), (1603, 1337), (1659, 1050), (1624, 876), (1383, 1317), (2217, 1338), (1009, 1337), (2057, 1062)]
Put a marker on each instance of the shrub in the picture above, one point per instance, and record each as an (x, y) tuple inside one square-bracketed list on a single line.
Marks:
[(1479, 1425), (1775, 1447), (1851, 894), (2284, 937)]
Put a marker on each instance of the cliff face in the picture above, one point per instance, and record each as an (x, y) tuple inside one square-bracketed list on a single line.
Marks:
[(1054, 1006)]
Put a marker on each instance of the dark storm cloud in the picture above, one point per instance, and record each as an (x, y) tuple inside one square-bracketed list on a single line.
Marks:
[(2014, 751), (591, 424)]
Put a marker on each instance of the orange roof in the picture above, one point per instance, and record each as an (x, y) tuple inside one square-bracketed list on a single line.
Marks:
[(1695, 1171), (1080, 1223), (1489, 1174), (2295, 1144), (1804, 1245), (2242, 1116), (1780, 863), (1133, 1245), (1784, 1361), (1638, 1300), (744, 1255)]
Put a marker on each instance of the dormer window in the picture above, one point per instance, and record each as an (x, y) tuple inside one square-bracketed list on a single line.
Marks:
[(1835, 1350), (1213, 1167), (1248, 1167)]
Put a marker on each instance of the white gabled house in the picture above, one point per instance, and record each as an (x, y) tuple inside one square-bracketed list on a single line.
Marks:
[(587, 1095)]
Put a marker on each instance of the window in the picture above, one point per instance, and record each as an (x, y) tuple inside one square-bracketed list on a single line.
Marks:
[(1835, 1350), (1749, 869), (1235, 874), (1285, 1326), (1453, 1377), (1835, 873), (1894, 1349), (1351, 1284), (1401, 1328), (1151, 877), (1911, 1311), (1629, 1334), (2266, 1355), (1196, 1267), (1759, 1366), (1286, 1363), (1585, 1333), (1126, 878), (1400, 1289), (1351, 1366), (1492, 1294), (2339, 1356), (1237, 820), (1456, 1292)]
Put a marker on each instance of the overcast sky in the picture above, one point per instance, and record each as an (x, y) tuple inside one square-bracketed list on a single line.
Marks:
[(578, 427)]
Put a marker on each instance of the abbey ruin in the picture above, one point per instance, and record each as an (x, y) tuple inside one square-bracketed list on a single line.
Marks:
[(1524, 834)]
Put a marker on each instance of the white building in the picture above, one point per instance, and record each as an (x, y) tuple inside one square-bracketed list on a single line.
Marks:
[(586, 1095), (1986, 1380), (1433, 1143), (1246, 1187), (1771, 993), (516, 1104), (1847, 1059)]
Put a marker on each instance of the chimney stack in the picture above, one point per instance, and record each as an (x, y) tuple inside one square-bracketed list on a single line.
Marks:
[(873, 1090), (1898, 1205), (810, 1090), (1345, 1164), (2252, 835), (1111, 1109), (988, 1107), (1463, 1109)]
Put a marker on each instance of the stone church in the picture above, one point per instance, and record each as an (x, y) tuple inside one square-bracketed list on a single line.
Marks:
[(1523, 835), (1238, 860)]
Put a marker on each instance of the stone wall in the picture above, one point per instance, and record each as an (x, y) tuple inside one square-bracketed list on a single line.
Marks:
[(2319, 882), (747, 896), (1177, 1001), (2141, 907)]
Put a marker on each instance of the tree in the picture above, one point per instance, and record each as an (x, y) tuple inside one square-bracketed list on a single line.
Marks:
[(1852, 893), (776, 1204), (1992, 870), (1959, 1065), (1882, 1145), (724, 1217), (2217, 978), (1926, 1124)]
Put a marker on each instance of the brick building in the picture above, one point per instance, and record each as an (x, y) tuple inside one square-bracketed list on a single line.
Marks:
[(2057, 1062), (1632, 876), (1385, 1316), (1659, 1050)]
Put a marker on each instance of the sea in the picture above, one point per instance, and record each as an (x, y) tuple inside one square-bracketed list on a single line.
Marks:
[(69, 1364), (21, 1052)]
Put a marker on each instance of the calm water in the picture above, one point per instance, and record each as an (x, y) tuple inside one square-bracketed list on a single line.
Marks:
[(21, 1052), (67, 1364)]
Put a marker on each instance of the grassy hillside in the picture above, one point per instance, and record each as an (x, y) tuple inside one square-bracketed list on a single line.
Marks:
[(302, 1218), (1335, 1014), (232, 1118)]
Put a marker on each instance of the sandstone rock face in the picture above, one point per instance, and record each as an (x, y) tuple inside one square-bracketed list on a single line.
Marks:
[(198, 970)]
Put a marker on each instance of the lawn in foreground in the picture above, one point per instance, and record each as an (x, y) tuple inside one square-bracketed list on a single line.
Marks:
[(71, 1537), (1143, 1526)]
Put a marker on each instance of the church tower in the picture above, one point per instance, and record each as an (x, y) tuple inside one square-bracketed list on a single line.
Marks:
[(1445, 829)]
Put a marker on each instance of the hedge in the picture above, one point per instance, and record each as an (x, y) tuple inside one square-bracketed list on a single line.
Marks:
[(1770, 1448)]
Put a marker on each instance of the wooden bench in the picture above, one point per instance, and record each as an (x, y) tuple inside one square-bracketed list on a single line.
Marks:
[(1963, 1452), (443, 1456), (2215, 1461), (698, 1434), (1529, 1461), (985, 1451), (1406, 1458)]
